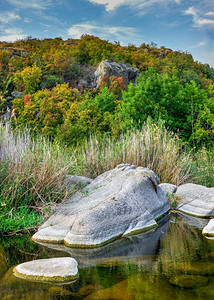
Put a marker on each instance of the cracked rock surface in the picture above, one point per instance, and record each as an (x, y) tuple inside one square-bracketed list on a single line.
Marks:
[(119, 202)]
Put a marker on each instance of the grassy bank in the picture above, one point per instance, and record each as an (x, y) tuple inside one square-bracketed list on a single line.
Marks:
[(32, 176)]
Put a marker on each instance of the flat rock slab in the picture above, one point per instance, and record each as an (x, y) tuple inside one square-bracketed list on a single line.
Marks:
[(209, 229), (197, 200), (119, 202), (59, 270)]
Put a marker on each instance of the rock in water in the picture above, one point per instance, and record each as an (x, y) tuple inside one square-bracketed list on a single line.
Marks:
[(110, 68), (119, 202), (209, 229), (198, 200), (61, 269)]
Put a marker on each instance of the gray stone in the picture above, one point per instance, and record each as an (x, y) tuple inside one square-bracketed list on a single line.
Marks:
[(209, 229), (197, 200), (17, 94), (119, 202), (168, 188), (128, 248), (78, 180), (61, 269), (110, 68)]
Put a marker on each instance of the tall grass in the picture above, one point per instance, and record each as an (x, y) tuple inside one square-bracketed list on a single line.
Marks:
[(202, 169), (152, 146), (32, 170)]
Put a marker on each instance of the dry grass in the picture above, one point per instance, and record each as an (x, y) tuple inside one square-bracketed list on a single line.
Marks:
[(32, 170), (151, 147)]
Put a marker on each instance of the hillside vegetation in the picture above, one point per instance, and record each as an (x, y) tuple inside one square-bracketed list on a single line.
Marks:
[(172, 87)]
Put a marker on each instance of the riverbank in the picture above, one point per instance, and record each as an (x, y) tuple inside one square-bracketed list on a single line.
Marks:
[(33, 169)]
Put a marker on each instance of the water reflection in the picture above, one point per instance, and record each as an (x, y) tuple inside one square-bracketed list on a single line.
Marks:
[(173, 261)]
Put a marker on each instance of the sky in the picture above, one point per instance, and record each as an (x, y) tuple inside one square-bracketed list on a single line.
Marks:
[(186, 25)]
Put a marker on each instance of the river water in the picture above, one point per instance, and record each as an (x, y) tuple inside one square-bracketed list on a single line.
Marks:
[(173, 261)]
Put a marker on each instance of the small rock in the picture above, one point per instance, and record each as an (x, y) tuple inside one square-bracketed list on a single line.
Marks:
[(62, 269), (78, 180), (197, 200), (16, 94), (168, 188), (209, 229)]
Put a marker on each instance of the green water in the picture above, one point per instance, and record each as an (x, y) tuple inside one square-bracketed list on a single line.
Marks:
[(172, 262)]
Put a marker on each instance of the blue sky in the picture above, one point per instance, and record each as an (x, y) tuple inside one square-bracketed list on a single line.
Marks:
[(186, 25)]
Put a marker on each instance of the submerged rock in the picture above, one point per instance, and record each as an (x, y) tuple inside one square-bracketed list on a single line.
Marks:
[(119, 202), (209, 229), (198, 200), (61, 269), (188, 281)]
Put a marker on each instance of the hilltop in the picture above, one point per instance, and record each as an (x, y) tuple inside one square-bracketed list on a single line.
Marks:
[(58, 98)]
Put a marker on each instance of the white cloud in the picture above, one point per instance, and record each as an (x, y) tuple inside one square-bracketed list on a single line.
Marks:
[(113, 33), (33, 4), (136, 4), (12, 34), (210, 14), (9, 16), (199, 17)]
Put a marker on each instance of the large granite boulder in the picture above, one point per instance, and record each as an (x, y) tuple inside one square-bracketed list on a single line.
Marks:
[(197, 200), (59, 270), (119, 202), (110, 68)]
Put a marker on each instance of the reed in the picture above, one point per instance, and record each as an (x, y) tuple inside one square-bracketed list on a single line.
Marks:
[(32, 169), (152, 147)]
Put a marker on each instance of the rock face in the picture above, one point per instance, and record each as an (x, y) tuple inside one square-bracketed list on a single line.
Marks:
[(61, 269), (110, 68), (119, 202), (198, 200), (209, 229)]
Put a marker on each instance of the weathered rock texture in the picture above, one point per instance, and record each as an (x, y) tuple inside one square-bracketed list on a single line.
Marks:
[(119, 202), (61, 269), (197, 200), (209, 229), (110, 68)]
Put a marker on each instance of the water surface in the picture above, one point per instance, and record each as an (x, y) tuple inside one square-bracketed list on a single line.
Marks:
[(173, 261)]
